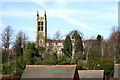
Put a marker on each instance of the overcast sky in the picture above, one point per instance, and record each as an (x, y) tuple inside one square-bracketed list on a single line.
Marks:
[(91, 18)]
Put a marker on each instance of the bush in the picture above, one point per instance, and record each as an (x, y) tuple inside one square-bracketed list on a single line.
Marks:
[(106, 64), (81, 66)]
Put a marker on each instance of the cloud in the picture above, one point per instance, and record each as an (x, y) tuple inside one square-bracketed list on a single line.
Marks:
[(77, 23), (66, 14), (76, 16), (70, 15), (70, 12), (17, 13)]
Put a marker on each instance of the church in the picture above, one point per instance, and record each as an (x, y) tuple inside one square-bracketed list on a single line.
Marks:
[(52, 45)]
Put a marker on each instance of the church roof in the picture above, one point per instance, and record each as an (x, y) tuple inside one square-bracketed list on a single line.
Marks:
[(90, 41), (57, 40), (49, 71)]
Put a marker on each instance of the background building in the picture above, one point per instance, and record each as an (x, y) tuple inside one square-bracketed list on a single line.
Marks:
[(52, 45)]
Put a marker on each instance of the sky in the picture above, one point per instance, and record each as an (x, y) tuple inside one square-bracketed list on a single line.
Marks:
[(90, 18)]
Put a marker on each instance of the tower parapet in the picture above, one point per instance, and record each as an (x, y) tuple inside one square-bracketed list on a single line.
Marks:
[(41, 30)]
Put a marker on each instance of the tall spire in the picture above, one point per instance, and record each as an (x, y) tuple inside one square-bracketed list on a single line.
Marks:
[(44, 13), (37, 14)]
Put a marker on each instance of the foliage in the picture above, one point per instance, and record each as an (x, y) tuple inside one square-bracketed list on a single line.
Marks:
[(5, 69), (117, 61), (99, 38), (23, 53), (63, 60), (106, 64), (68, 46), (78, 42), (5, 56), (15, 68), (41, 50), (50, 59), (73, 31), (78, 57), (30, 51), (19, 66), (81, 66), (57, 35), (95, 48), (95, 51)]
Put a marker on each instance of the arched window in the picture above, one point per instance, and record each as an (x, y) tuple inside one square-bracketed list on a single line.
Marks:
[(38, 28), (41, 28), (41, 24)]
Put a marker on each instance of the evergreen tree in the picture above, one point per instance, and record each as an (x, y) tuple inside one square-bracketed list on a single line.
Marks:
[(67, 46), (30, 51), (78, 42), (99, 37), (100, 45), (41, 50)]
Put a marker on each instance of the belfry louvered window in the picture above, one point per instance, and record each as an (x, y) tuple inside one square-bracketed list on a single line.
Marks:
[(38, 28), (41, 28), (39, 24)]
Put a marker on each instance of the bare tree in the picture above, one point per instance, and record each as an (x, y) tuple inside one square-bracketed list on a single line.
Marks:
[(73, 31), (6, 42), (57, 35), (20, 43), (7, 37), (118, 47), (25, 38), (111, 45)]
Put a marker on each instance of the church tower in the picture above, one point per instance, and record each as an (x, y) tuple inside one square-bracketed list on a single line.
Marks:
[(41, 30)]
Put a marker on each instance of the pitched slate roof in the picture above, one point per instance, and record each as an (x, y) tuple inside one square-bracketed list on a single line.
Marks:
[(117, 71), (49, 71), (57, 40), (91, 74)]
